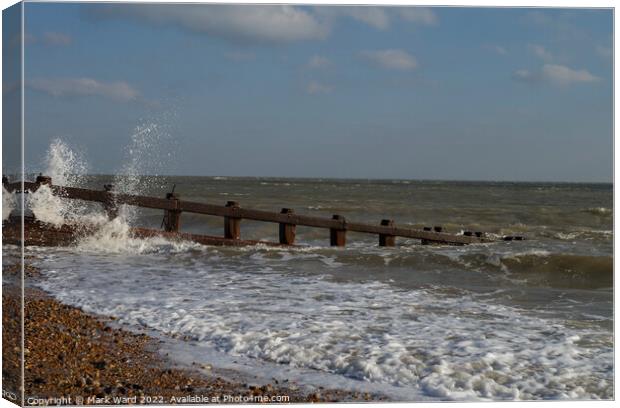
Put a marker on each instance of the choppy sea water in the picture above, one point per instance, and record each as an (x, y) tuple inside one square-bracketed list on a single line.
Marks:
[(509, 320)]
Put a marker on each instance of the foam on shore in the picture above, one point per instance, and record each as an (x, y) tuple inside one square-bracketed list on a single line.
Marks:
[(446, 347), (8, 204)]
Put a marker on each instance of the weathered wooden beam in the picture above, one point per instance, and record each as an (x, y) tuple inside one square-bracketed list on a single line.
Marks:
[(233, 215), (232, 224), (386, 240), (287, 231), (441, 237), (338, 236), (42, 234)]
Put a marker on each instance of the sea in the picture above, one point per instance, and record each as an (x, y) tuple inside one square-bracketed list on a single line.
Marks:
[(506, 320)]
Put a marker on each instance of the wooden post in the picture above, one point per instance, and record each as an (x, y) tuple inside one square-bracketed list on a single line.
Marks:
[(338, 237), (232, 225), (387, 240), (425, 242), (172, 218), (41, 179), (110, 206), (287, 231)]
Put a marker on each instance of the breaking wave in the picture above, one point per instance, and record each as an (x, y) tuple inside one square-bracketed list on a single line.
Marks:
[(8, 204), (603, 211), (447, 347)]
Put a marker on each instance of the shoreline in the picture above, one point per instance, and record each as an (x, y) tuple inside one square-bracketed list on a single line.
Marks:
[(72, 357)]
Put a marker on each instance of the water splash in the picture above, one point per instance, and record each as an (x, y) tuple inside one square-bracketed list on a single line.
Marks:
[(8, 203), (64, 165), (49, 208), (115, 237), (143, 156), (68, 167)]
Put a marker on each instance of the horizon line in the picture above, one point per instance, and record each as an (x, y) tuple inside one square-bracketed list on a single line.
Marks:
[(349, 178)]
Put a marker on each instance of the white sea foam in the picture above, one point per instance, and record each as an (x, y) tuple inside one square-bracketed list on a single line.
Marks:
[(48, 207), (273, 305), (66, 167), (445, 347), (115, 237), (599, 210), (8, 203)]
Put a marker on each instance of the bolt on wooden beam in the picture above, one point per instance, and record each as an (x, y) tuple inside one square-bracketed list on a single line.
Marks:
[(287, 231), (338, 237), (232, 225), (387, 240)]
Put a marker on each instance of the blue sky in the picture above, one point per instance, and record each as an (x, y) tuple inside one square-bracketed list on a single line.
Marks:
[(363, 92)]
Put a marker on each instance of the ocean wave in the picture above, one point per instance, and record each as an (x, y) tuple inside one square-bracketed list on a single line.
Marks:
[(602, 211), (583, 234), (560, 270), (8, 203), (450, 348)]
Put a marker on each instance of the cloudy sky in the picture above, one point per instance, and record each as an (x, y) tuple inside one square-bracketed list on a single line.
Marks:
[(364, 92)]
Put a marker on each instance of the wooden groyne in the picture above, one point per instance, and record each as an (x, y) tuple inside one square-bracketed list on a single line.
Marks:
[(233, 214)]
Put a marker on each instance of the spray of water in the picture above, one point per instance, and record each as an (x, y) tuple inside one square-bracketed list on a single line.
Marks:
[(8, 204), (66, 167), (144, 156)]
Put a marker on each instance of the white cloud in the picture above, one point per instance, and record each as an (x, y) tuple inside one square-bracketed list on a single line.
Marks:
[(248, 23), (498, 49), (315, 88), (373, 16), (563, 25), (378, 17), (605, 52), (16, 40), (556, 75), (8, 87), (240, 56), (391, 59), (317, 62), (48, 38), (260, 23), (420, 15), (523, 75), (562, 75), (53, 38), (120, 91), (540, 52)]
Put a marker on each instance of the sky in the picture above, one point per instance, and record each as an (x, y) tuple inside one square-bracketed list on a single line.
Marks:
[(514, 94)]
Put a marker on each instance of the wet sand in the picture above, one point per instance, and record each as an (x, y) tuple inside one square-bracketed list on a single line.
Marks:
[(72, 357)]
